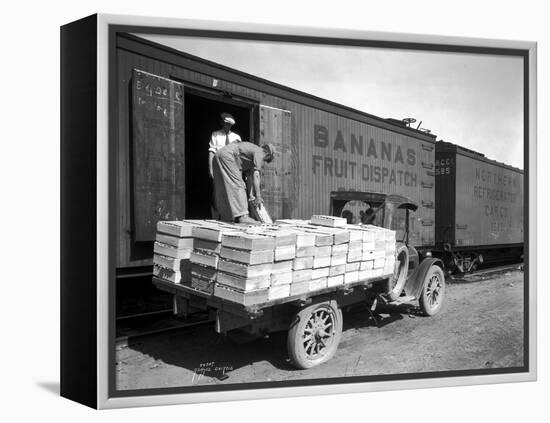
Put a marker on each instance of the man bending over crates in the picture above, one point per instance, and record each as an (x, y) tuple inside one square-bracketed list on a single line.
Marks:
[(230, 189)]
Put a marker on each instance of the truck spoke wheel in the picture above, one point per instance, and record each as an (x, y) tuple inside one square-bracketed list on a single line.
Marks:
[(315, 334), (319, 332), (433, 291)]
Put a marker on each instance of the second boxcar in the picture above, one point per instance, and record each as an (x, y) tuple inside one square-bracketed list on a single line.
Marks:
[(479, 208)]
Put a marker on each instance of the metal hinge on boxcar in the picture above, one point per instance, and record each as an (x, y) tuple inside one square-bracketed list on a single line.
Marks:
[(428, 204), (427, 165)]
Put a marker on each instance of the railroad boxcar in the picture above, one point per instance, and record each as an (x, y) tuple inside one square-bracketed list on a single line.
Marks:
[(479, 208), (167, 103)]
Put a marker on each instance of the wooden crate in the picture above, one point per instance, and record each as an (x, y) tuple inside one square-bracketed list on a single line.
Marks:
[(244, 270), (171, 251), (242, 283), (247, 256), (330, 221)]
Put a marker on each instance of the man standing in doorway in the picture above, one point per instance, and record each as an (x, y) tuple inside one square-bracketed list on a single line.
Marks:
[(219, 139)]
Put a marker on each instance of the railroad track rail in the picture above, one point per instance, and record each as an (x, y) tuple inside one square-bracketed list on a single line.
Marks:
[(146, 314), (131, 328), (481, 273)]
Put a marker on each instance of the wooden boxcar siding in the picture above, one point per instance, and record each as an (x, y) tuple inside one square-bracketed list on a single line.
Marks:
[(489, 203), (337, 166), (312, 190)]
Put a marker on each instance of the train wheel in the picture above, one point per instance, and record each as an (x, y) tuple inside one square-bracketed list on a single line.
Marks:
[(315, 334), (433, 291)]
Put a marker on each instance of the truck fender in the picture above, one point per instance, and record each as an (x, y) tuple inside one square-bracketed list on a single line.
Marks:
[(319, 300), (415, 281)]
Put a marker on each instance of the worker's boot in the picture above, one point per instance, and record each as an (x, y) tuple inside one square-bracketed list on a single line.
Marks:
[(247, 219)]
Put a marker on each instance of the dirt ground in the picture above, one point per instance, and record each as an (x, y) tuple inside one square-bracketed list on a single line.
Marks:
[(480, 326)]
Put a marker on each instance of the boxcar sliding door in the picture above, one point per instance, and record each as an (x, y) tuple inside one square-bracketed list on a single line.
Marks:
[(279, 176), (158, 153)]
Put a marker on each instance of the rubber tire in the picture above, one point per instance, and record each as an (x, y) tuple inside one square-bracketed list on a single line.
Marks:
[(294, 345), (426, 309), (397, 283)]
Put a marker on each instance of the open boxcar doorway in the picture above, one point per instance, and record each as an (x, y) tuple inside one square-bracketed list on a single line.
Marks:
[(202, 117)]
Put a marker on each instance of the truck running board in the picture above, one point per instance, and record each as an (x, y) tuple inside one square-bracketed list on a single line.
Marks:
[(402, 300)]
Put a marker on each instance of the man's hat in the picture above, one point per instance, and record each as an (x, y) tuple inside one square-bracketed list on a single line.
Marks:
[(227, 118)]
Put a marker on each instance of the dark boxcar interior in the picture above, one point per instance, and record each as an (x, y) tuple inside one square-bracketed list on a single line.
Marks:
[(202, 116)]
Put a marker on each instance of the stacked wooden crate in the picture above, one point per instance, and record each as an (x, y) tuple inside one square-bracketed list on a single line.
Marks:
[(357, 253), (384, 251), (253, 265), (172, 250), (378, 252), (284, 253), (205, 257), (329, 257), (245, 265)]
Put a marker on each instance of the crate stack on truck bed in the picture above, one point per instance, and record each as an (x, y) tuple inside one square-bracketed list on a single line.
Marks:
[(172, 251), (252, 265)]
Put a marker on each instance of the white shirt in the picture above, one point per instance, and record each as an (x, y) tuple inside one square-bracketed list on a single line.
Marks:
[(218, 139)]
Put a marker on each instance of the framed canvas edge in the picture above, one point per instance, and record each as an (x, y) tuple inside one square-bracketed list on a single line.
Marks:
[(336, 389), (103, 324)]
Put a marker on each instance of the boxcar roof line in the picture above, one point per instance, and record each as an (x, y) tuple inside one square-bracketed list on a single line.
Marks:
[(454, 148), (170, 55)]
